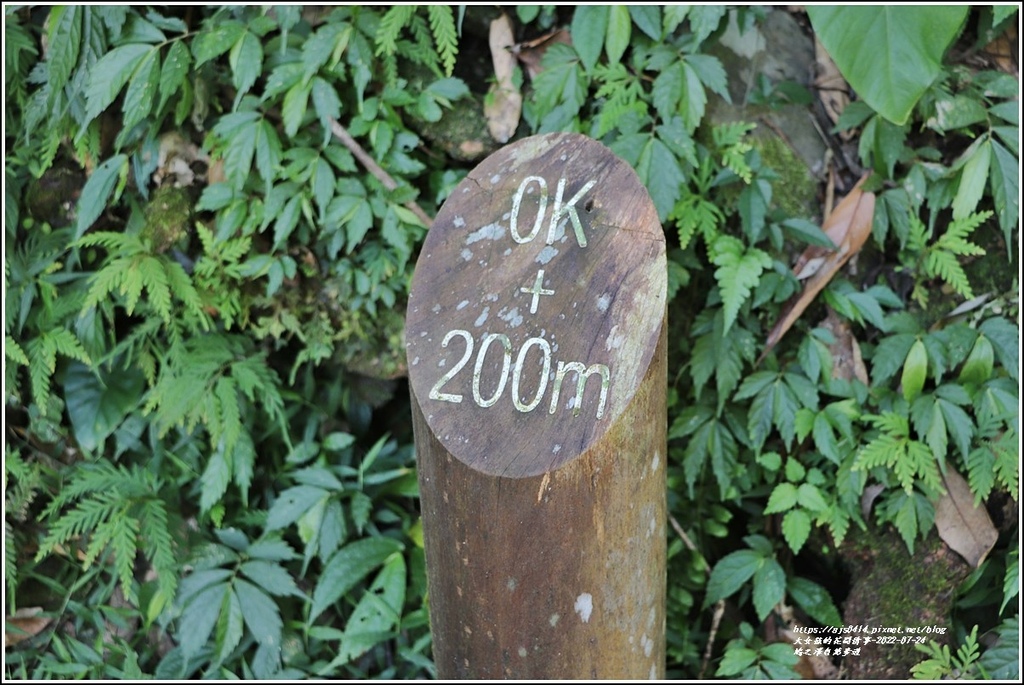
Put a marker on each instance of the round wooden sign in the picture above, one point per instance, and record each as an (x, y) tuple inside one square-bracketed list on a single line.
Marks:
[(536, 305)]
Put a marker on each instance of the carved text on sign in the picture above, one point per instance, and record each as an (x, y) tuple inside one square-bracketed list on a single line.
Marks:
[(582, 371)]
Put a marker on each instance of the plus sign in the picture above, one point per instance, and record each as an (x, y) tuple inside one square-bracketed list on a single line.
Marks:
[(537, 290)]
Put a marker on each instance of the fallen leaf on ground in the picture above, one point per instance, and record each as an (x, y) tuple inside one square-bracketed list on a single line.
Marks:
[(24, 624), (531, 52), (847, 362), (966, 528), (504, 102), (848, 227)]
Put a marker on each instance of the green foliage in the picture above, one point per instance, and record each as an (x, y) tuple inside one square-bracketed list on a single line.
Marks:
[(890, 55), (209, 469)]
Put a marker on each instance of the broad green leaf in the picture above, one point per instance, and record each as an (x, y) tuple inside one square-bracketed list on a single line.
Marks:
[(588, 30), (620, 27), (978, 366), (667, 90), (647, 18), (199, 617), (336, 442), (1001, 661), (293, 109), (769, 587), (230, 627), (1004, 179), (889, 54), (730, 573), (98, 401), (222, 37), (973, 177), (704, 20), (674, 16), (173, 72), (348, 566), (273, 578), (796, 528), (64, 42), (109, 75), (215, 479), (783, 497), (262, 617), (326, 103), (659, 170), (1005, 339), (808, 232), (246, 60), (142, 89), (694, 100), (915, 371), (815, 600), (97, 191), (735, 660), (378, 612), (955, 112), (809, 497), (1011, 579), (711, 73), (291, 504)]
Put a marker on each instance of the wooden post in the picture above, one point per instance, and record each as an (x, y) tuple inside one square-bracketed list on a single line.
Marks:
[(537, 363)]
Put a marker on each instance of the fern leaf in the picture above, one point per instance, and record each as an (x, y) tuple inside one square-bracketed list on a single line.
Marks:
[(107, 280), (391, 25), (131, 285), (124, 244), (185, 291), (124, 545), (738, 272), (1007, 465), (946, 266), (13, 351), (159, 544), (446, 38), (882, 451), (230, 415), (955, 237), (153, 276)]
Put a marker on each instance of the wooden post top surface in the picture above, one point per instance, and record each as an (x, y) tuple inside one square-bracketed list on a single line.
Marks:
[(536, 305)]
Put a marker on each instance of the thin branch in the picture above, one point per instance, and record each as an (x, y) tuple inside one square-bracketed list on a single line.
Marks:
[(716, 619), (371, 165)]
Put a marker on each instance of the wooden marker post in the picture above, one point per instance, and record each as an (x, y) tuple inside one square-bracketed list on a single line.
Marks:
[(537, 363)]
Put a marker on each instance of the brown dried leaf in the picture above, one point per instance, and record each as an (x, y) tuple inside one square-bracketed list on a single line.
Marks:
[(504, 102), (848, 227), (531, 52), (966, 528), (847, 362), (24, 624)]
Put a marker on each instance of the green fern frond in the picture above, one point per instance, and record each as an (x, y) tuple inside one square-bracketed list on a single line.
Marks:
[(13, 351), (391, 25), (955, 237), (917, 240), (946, 266), (125, 244), (738, 272), (446, 37), (154, 278)]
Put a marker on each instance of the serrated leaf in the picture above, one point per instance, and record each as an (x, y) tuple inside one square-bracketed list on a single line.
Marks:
[(1005, 339), (588, 30), (704, 20), (110, 74), (1004, 179), (246, 61), (378, 612), (97, 191), (783, 497), (915, 371), (291, 504), (888, 54), (738, 272), (215, 42), (262, 617), (199, 617), (173, 72), (769, 586), (815, 600), (667, 90), (64, 41), (810, 497), (142, 89), (620, 27), (293, 108), (735, 660), (647, 18), (659, 170), (973, 177), (730, 573), (273, 578), (230, 627), (348, 566)]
